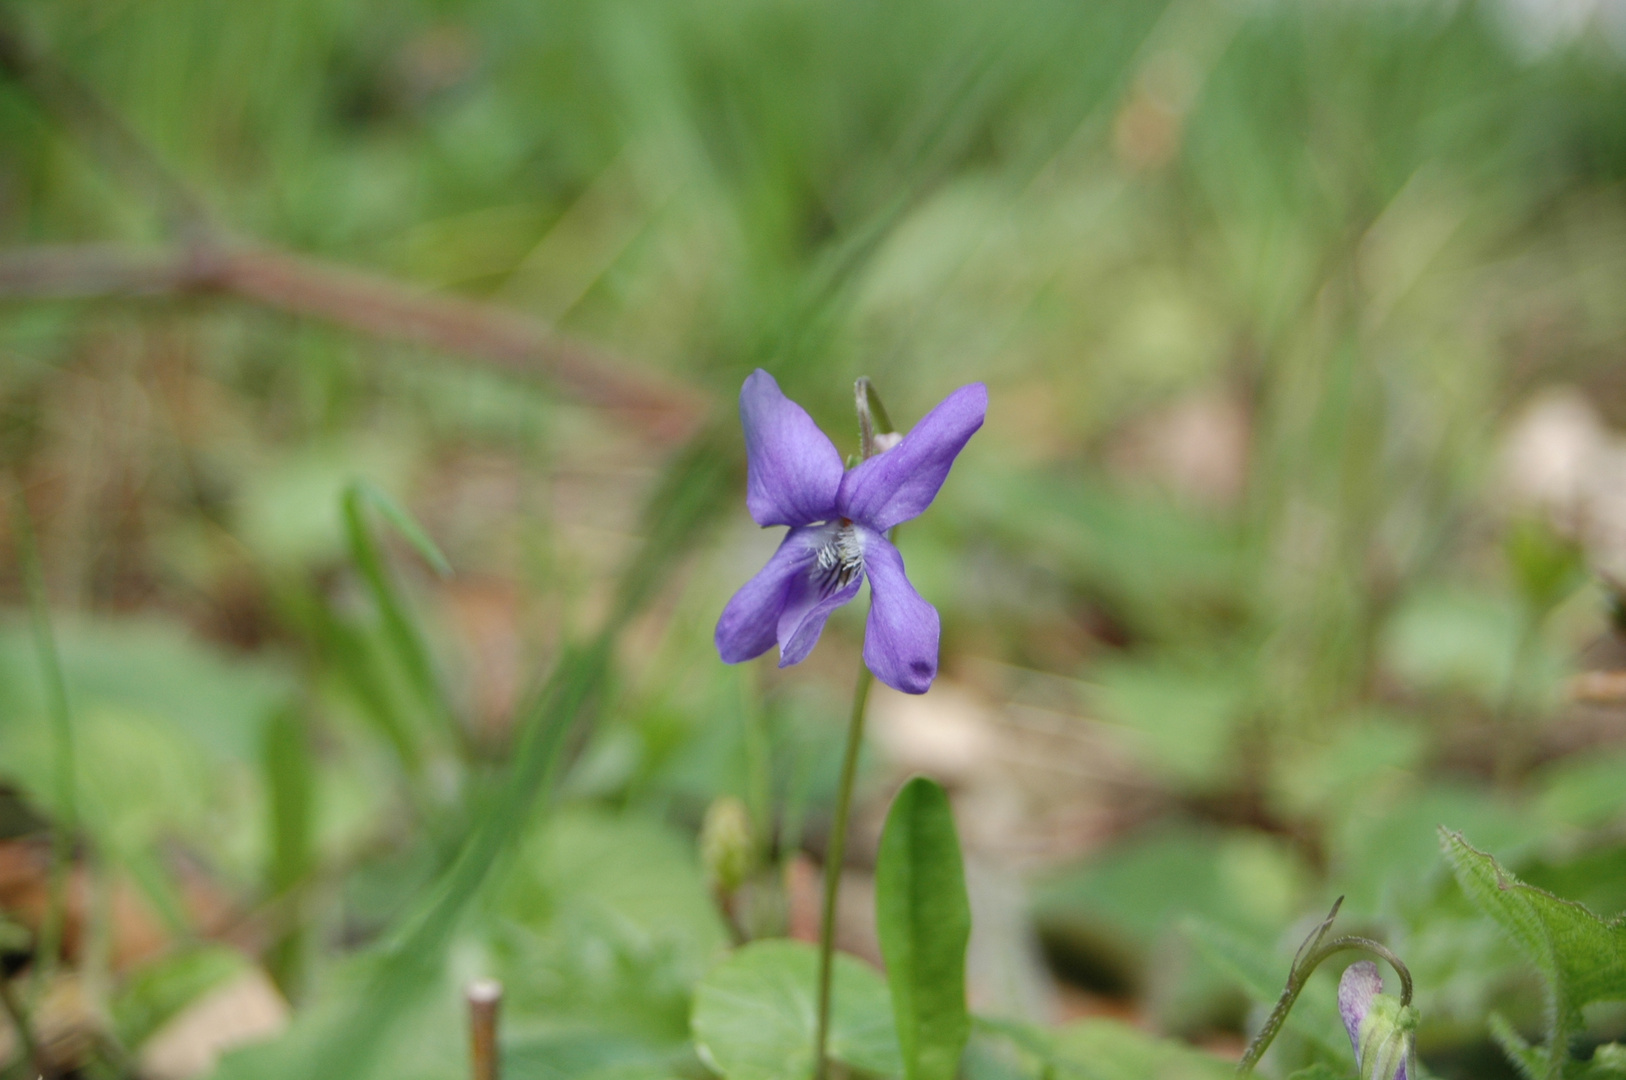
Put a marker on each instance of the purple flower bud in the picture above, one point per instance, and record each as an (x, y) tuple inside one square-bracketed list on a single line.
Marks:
[(838, 521), (1382, 1031)]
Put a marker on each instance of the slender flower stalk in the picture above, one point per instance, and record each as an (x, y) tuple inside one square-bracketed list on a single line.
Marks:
[(835, 853)]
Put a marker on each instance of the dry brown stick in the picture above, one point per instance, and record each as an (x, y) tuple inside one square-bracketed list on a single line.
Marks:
[(666, 411), (485, 1001)]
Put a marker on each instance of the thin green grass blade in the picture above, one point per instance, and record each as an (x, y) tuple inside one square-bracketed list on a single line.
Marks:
[(65, 818), (405, 524), (401, 632), (290, 784)]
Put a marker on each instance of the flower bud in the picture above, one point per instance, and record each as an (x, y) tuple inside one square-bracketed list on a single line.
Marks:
[(1382, 1031), (726, 849)]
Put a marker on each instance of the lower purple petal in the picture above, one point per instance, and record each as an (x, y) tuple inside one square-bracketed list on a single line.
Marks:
[(900, 641), (806, 611), (749, 624)]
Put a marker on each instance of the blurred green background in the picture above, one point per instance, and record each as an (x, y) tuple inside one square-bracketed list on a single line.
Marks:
[(1291, 534)]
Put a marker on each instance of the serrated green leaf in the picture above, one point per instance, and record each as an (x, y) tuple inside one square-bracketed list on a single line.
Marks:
[(923, 917), (1582, 958), (1531, 1061), (754, 1014)]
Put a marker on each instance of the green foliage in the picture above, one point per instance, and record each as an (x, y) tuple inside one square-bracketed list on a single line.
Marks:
[(1256, 287), (161, 989), (1581, 958), (1261, 972), (754, 1015), (923, 917), (1110, 1050)]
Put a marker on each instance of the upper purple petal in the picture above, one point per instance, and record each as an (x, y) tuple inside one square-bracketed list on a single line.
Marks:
[(749, 624), (792, 468), (900, 640), (1359, 985), (900, 483)]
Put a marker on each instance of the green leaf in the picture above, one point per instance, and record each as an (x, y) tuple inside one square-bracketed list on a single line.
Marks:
[(1530, 1060), (1582, 958), (1263, 974), (754, 1014), (1319, 1071), (399, 629), (404, 523), (924, 919), (160, 990), (1110, 1050), (1608, 1062), (290, 783)]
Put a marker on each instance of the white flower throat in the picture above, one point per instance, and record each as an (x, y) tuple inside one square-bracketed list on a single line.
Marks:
[(840, 559)]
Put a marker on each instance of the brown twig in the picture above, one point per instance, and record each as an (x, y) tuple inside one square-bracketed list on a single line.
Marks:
[(369, 303)]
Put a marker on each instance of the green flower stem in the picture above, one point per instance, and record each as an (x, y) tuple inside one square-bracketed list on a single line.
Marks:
[(872, 420), (1310, 956), (65, 818), (834, 853)]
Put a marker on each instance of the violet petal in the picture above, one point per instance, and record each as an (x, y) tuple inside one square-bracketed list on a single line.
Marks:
[(749, 624), (807, 607), (899, 484), (793, 469), (900, 640), (1356, 989)]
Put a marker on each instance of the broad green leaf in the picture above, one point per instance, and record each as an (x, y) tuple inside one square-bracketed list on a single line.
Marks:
[(754, 1014), (160, 990), (1179, 722), (924, 919), (1120, 911), (1320, 1071), (1263, 974), (589, 1055), (1110, 1050), (1582, 958)]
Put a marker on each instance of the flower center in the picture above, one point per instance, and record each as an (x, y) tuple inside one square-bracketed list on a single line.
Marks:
[(840, 559)]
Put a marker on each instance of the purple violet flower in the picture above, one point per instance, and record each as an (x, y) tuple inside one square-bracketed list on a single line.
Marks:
[(1382, 1031), (838, 521)]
